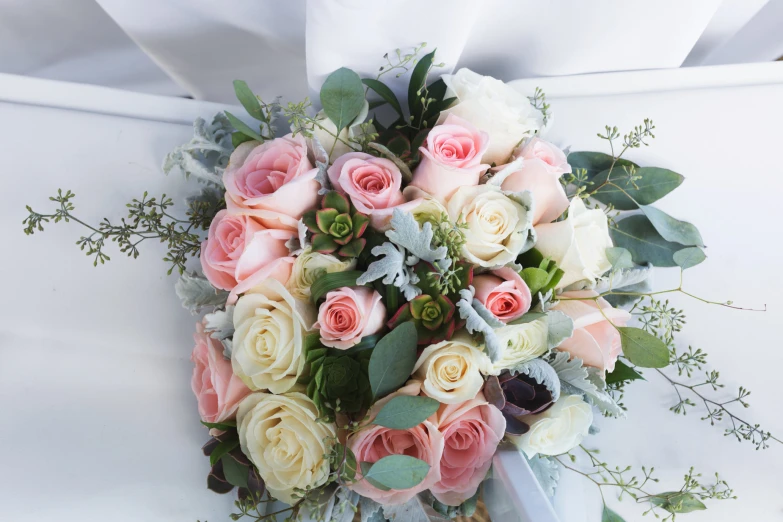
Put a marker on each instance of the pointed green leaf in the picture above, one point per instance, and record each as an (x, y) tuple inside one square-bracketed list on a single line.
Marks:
[(222, 449), (610, 516), (223, 426), (332, 281), (642, 348), (672, 229), (249, 100), (638, 236), (365, 467), (342, 97), (337, 201), (417, 81), (595, 162), (243, 127), (324, 244), (535, 278), (404, 412), (688, 257), (235, 472), (622, 372), (382, 90), (654, 184), (393, 359), (619, 258), (397, 471), (677, 502)]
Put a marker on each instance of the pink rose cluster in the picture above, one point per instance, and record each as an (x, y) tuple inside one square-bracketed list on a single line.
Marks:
[(458, 442)]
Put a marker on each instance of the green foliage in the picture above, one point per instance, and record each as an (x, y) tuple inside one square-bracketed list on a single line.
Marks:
[(643, 349), (342, 97), (433, 314), (637, 235), (385, 93), (405, 412), (689, 257), (338, 383), (337, 227), (634, 187), (541, 273), (621, 373), (332, 281), (396, 471), (235, 472), (243, 128), (559, 328), (223, 426), (608, 515), (672, 229), (596, 162), (392, 360), (538, 101), (619, 257)]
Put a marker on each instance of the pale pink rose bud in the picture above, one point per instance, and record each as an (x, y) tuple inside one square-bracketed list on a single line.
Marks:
[(271, 181), (596, 341), (348, 314), (503, 293), (451, 158), (216, 387)]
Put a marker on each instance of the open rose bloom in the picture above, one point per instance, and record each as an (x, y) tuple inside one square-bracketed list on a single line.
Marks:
[(384, 303)]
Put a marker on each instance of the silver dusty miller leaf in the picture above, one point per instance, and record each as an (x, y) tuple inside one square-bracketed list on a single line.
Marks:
[(206, 155), (320, 159), (560, 327), (370, 510), (415, 510), (576, 379), (392, 268), (406, 233), (196, 293), (542, 372), (547, 472), (298, 243), (220, 323), (474, 323)]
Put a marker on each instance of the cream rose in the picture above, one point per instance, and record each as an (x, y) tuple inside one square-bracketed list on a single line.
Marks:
[(578, 244), (556, 430), (494, 107), (270, 327), (281, 435), (498, 227), (431, 211), (309, 266), (521, 343), (451, 370)]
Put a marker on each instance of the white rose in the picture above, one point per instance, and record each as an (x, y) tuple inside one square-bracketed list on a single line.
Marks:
[(498, 227), (430, 210), (557, 430), (270, 327), (309, 266), (281, 435), (521, 343), (494, 107), (578, 244), (451, 370), (327, 131)]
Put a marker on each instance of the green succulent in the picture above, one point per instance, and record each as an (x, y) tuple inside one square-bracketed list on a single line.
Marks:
[(337, 227), (433, 316), (339, 382)]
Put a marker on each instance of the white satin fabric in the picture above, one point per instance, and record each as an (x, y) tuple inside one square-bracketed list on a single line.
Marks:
[(196, 47)]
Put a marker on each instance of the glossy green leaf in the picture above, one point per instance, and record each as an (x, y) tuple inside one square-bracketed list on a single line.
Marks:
[(222, 449), (382, 90), (249, 100), (595, 162), (342, 97), (637, 235), (393, 359), (417, 81), (622, 372), (654, 184), (397, 471), (236, 473), (619, 258), (672, 229), (405, 412), (688, 257), (642, 348), (332, 281), (365, 467), (243, 127), (535, 278)]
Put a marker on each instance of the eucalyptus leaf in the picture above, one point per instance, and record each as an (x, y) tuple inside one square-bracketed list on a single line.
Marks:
[(595, 162), (342, 97), (249, 100), (678, 502), (654, 184), (642, 348), (365, 468), (672, 229), (619, 257), (689, 257), (243, 127), (560, 328), (393, 359), (610, 516), (397, 471), (404, 412), (638, 236)]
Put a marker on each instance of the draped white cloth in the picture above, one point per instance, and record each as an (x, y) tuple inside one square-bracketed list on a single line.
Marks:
[(196, 47)]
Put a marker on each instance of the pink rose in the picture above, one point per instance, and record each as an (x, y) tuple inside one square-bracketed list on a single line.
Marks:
[(423, 442), (451, 159), (373, 184), (239, 253), (471, 432), (272, 181), (540, 174), (348, 314), (503, 293), (595, 340), (216, 387)]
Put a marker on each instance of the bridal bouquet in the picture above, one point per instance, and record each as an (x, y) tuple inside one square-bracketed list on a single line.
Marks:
[(384, 304)]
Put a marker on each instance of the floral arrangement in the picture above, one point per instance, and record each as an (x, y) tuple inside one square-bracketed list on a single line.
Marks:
[(383, 305)]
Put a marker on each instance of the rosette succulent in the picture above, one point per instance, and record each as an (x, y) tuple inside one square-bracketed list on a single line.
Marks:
[(339, 379), (337, 227), (433, 316), (516, 396)]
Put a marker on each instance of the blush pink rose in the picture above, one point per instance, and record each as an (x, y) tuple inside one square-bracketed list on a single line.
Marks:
[(373, 184), (239, 253), (216, 387), (595, 340), (540, 173), (503, 293), (423, 441), (451, 158), (471, 433), (348, 314), (272, 181)]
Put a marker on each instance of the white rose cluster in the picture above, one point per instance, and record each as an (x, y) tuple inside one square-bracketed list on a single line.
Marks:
[(558, 429)]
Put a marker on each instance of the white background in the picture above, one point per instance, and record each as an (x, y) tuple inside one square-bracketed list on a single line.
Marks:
[(98, 421)]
